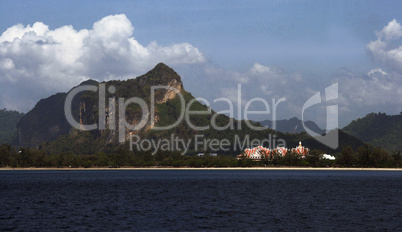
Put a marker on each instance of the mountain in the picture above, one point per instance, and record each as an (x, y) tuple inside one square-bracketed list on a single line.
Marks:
[(293, 125), (8, 122), (168, 108), (379, 130), (44, 122), (106, 106), (47, 120)]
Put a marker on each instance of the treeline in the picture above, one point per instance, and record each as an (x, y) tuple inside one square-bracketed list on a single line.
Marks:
[(365, 156), (369, 156), (29, 157)]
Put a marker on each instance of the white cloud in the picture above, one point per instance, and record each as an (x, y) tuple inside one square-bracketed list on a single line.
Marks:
[(392, 31), (383, 85), (42, 61), (380, 79), (378, 88), (36, 62), (377, 72), (359, 94), (387, 49), (234, 95), (7, 64), (18, 31), (260, 69)]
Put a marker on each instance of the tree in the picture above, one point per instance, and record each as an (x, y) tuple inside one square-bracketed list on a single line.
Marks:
[(380, 157), (314, 158), (25, 157), (397, 157), (277, 159), (348, 157), (364, 155), (291, 159), (370, 156), (5, 152)]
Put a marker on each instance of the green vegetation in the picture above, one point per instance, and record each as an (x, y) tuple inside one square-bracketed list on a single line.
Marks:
[(46, 128), (90, 142), (8, 122), (369, 156), (379, 130), (45, 122), (365, 156)]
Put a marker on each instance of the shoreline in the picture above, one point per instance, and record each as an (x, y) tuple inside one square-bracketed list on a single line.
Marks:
[(203, 168)]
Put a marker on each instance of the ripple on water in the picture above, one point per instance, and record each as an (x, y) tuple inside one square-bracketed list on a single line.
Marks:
[(200, 200)]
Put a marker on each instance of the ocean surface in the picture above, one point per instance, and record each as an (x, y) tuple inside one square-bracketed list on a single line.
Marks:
[(200, 200)]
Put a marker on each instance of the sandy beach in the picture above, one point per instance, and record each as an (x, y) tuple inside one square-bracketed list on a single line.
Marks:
[(205, 168)]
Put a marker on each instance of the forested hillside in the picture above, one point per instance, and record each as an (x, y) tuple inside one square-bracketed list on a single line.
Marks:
[(379, 130), (8, 122)]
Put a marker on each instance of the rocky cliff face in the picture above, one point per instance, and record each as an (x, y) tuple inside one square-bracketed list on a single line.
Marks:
[(140, 87), (46, 125), (47, 121)]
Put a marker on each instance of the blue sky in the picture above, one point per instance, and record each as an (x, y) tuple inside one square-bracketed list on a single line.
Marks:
[(232, 33), (308, 45)]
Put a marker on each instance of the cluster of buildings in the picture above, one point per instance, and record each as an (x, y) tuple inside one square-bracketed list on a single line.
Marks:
[(260, 152)]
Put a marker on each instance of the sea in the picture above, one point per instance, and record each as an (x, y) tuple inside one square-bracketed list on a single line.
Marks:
[(200, 200)]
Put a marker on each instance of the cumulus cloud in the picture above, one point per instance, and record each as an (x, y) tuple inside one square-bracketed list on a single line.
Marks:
[(381, 86), (360, 94), (387, 49), (376, 73), (258, 69), (36, 61), (378, 88)]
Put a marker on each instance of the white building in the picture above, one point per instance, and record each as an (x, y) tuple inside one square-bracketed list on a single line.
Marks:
[(328, 157)]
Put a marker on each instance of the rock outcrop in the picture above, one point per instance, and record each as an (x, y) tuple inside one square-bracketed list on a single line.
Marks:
[(47, 120)]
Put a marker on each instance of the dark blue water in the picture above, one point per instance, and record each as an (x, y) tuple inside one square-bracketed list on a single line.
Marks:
[(160, 200)]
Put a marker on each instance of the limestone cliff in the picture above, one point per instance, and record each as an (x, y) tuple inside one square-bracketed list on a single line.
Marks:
[(47, 120)]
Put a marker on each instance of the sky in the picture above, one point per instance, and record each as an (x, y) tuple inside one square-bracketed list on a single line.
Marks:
[(271, 50)]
